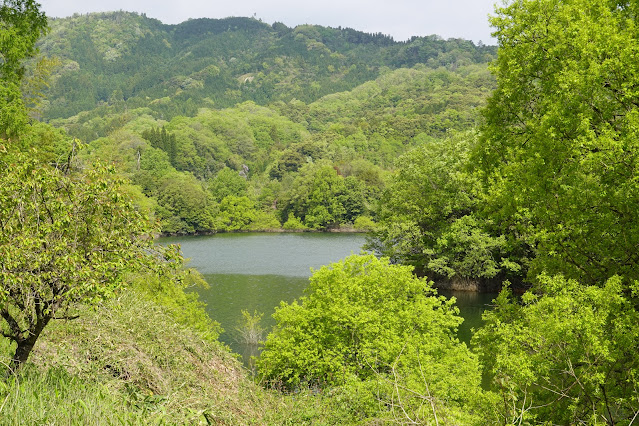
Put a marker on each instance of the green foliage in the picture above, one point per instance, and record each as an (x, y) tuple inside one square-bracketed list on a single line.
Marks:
[(66, 238), (228, 182), (364, 223), (319, 198), (430, 216), (163, 140), (128, 362), (235, 213), (559, 146), (249, 330), (264, 221), (380, 117), (564, 354), (187, 206), (358, 132), (366, 323), (222, 62), (46, 143), (21, 24)]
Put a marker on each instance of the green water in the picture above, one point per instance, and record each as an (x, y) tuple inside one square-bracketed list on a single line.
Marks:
[(254, 272)]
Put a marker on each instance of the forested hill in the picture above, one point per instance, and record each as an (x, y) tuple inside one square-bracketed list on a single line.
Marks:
[(234, 124), (108, 58)]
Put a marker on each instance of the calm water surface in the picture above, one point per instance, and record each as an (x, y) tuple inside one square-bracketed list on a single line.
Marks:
[(254, 272)]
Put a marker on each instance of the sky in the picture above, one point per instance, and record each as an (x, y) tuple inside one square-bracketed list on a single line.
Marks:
[(467, 19)]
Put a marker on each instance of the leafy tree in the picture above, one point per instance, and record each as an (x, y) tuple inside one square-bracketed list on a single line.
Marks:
[(365, 320), (317, 196), (559, 157), (354, 198), (235, 213), (290, 161), (153, 167), (560, 148), (65, 238), (186, 206), (431, 217), (46, 143), (364, 223), (566, 354), (21, 24), (228, 182)]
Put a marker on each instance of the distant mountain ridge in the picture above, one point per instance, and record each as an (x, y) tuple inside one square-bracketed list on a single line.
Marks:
[(122, 57)]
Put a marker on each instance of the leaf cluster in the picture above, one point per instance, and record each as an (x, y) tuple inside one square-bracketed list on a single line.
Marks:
[(371, 326), (565, 352)]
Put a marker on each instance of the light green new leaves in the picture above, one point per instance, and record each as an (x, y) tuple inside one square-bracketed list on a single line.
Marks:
[(65, 238), (365, 320), (559, 148), (21, 24), (566, 353)]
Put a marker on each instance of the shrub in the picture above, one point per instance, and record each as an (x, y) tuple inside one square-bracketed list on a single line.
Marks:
[(377, 328)]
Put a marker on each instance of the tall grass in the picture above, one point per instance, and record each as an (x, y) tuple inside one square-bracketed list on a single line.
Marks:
[(132, 361), (55, 397)]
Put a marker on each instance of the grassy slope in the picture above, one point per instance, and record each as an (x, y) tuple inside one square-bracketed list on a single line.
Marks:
[(129, 362)]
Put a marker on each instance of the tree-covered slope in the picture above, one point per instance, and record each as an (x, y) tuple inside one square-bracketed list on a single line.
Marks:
[(108, 58), (233, 124), (269, 155)]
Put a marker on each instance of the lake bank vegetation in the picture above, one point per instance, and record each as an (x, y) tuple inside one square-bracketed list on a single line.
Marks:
[(524, 179)]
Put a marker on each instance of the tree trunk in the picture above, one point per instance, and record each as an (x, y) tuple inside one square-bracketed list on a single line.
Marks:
[(25, 346)]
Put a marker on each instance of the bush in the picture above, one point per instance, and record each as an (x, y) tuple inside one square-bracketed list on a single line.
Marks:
[(377, 328), (294, 224)]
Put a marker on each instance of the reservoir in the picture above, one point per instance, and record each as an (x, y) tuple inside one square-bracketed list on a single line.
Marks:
[(256, 271)]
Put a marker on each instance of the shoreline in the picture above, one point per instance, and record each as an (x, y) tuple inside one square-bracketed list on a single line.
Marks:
[(265, 231), (464, 285)]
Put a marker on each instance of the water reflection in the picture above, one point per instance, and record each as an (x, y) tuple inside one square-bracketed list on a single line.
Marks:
[(471, 306), (255, 272)]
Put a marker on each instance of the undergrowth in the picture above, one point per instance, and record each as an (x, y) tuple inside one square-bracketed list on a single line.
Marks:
[(140, 359)]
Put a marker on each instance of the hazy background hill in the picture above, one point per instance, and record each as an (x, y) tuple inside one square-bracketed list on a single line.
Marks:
[(121, 56)]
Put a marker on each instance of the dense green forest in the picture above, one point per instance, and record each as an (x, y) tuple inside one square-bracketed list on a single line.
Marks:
[(234, 124), (511, 168)]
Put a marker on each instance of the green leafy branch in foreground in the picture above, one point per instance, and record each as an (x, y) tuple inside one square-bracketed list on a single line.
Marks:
[(65, 238), (567, 352)]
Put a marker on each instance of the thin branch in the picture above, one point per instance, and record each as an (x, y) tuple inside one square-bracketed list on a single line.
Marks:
[(68, 318), (13, 324)]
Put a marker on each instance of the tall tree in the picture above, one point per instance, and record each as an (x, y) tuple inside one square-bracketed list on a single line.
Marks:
[(21, 24), (560, 155), (560, 148), (431, 217)]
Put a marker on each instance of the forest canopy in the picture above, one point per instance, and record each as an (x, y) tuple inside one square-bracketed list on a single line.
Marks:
[(233, 124)]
